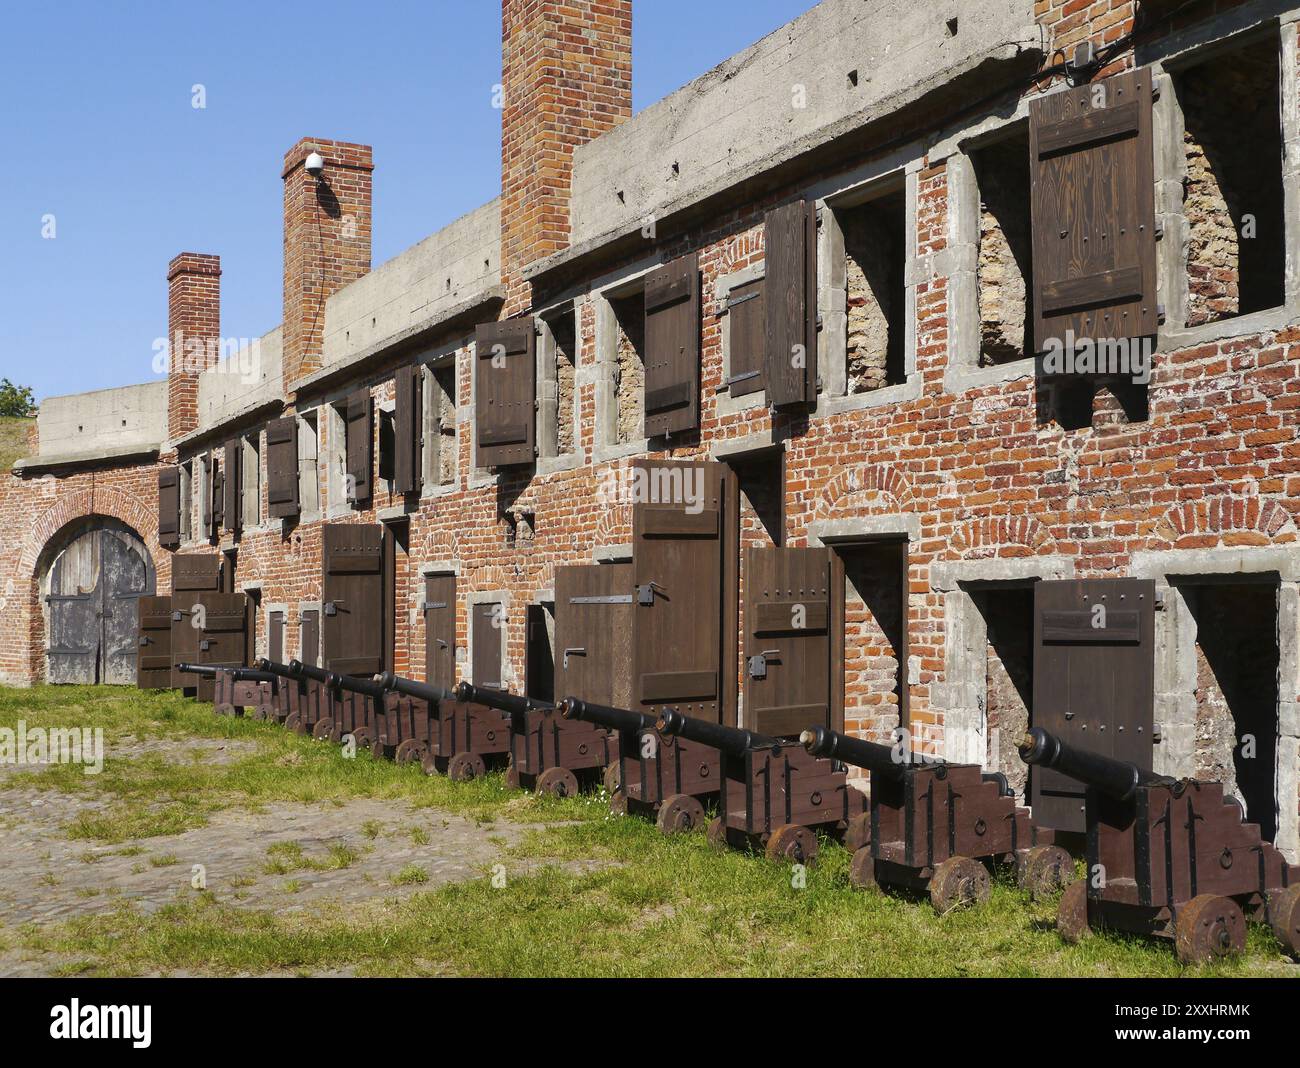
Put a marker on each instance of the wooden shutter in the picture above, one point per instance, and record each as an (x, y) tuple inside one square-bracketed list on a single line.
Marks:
[(169, 507), (746, 344), (192, 575), (1093, 206), (672, 347), (309, 637), (216, 497), (593, 633), (505, 393), (360, 440), (683, 531), (353, 593), (794, 626), (440, 630), (488, 626), (282, 467), (1094, 685), (153, 668), (790, 304), (232, 468), (408, 430), (275, 637)]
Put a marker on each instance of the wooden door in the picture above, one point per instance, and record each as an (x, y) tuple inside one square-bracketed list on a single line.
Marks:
[(154, 664), (192, 575), (309, 652), (275, 637), (353, 591), (124, 579), (488, 623), (440, 630), (593, 633)]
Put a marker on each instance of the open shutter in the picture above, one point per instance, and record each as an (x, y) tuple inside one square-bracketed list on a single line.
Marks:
[(169, 507), (216, 497), (746, 343), (793, 613), (1094, 681), (1093, 204), (672, 347), (408, 429), (505, 393), (361, 443), (593, 633), (790, 304), (440, 631), (282, 466), (486, 666), (232, 483), (353, 593), (153, 666)]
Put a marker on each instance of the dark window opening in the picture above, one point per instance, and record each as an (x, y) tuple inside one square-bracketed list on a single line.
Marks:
[(564, 332), (539, 667), (1008, 614), (387, 446), (762, 503), (629, 367), (1004, 269), (875, 235), (875, 641)]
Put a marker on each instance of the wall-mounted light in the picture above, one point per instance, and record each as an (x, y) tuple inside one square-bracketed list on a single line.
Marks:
[(315, 165)]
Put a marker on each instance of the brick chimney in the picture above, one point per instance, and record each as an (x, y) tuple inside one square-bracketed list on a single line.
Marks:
[(326, 241), (566, 76), (193, 334)]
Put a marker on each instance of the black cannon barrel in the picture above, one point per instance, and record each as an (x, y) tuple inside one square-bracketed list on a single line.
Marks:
[(299, 670), (617, 719), (1117, 778), (714, 735), (876, 758), (254, 675), (435, 695), (499, 699), (357, 684), (275, 668), (206, 671)]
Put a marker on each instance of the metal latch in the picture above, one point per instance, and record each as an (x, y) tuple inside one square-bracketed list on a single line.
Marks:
[(178, 615), (332, 607), (575, 652), (144, 640), (645, 593), (429, 606), (205, 645), (758, 663)]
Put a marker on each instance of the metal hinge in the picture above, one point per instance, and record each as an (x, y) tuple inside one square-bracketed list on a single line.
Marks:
[(604, 598)]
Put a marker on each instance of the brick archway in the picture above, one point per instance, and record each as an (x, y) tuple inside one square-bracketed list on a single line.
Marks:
[(86, 504), (1226, 521), (998, 536), (864, 490)]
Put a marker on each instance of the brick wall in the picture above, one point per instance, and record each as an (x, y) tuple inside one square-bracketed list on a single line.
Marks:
[(193, 334)]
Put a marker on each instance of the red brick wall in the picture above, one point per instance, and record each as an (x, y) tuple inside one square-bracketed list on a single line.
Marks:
[(193, 333)]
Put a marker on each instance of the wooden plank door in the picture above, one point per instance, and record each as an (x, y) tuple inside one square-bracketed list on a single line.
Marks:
[(275, 637), (309, 638), (154, 663), (223, 638), (593, 633), (488, 623), (794, 618), (74, 601), (1094, 681), (440, 630), (123, 579), (353, 594), (192, 575)]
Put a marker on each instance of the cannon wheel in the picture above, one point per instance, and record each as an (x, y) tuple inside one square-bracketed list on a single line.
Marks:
[(512, 775), (717, 833), (360, 735), (1045, 869), (857, 835), (323, 728), (1284, 917), (611, 778), (862, 869), (959, 882), (557, 782), (465, 766), (618, 803), (678, 813), (293, 722), (378, 748), (793, 843), (408, 751), (1207, 927), (429, 762), (1072, 913)]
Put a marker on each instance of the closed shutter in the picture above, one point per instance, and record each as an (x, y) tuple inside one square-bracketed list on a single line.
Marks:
[(217, 497), (275, 638), (672, 347), (282, 467), (793, 615), (440, 631), (232, 510), (360, 439), (223, 639), (154, 657), (353, 592), (193, 574), (505, 393), (309, 637), (1094, 682), (790, 304), (408, 430), (169, 507), (746, 345), (593, 633), (1093, 206), (488, 622)]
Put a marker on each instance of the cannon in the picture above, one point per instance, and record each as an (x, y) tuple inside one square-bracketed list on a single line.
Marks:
[(670, 779), (1169, 858), (202, 671), (431, 725), (236, 689), (547, 751), (773, 793), (335, 711), (294, 695), (934, 826)]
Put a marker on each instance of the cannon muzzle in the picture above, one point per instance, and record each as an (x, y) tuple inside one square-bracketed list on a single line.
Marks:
[(254, 675), (499, 699), (204, 671), (356, 684), (279, 670), (434, 695), (1115, 778), (299, 670), (616, 719), (878, 759), (732, 740)]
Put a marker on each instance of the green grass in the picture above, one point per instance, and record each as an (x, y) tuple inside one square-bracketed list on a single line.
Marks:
[(596, 896), (13, 440)]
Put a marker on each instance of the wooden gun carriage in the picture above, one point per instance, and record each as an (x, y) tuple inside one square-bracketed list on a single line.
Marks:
[(293, 696), (1170, 858), (933, 826), (429, 724), (237, 689), (335, 711)]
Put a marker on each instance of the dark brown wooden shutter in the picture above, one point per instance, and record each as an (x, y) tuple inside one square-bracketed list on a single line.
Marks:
[(440, 630), (488, 625), (360, 440), (153, 668), (1093, 204), (505, 393), (192, 574), (672, 347), (275, 637), (353, 593), (282, 467), (232, 485), (746, 342), (593, 633), (679, 631), (309, 637), (408, 430), (216, 497), (169, 507), (790, 304), (793, 616), (1094, 685)]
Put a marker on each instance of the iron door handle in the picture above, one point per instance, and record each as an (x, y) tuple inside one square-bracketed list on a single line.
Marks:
[(575, 652)]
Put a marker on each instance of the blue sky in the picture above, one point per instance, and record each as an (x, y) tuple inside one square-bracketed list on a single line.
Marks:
[(98, 130)]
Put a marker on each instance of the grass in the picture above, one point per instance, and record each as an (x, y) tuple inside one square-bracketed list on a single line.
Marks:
[(595, 896), (13, 440)]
